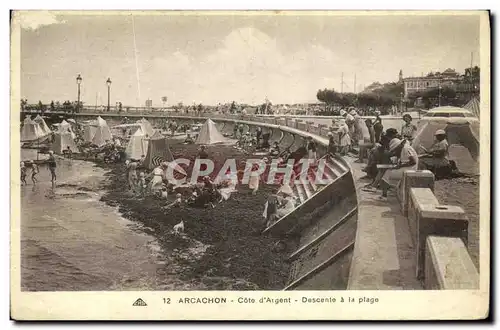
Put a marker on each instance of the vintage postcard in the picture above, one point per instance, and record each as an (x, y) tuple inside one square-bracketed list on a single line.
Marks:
[(250, 165)]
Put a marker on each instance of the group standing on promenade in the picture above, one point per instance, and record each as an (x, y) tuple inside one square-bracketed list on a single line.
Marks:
[(391, 148)]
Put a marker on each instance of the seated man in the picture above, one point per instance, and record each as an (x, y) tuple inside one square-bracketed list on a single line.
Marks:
[(270, 210), (189, 139), (275, 150), (377, 155), (287, 206), (265, 141)]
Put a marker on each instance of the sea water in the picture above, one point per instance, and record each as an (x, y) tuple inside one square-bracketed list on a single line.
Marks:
[(72, 241)]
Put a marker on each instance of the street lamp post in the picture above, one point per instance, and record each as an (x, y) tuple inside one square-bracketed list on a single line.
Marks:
[(108, 82), (78, 82), (401, 101), (439, 96)]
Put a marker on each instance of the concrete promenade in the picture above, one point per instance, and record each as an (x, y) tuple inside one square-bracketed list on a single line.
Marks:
[(384, 252)]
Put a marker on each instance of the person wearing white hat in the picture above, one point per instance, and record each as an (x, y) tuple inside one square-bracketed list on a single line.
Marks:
[(343, 113), (437, 155), (344, 137), (407, 159)]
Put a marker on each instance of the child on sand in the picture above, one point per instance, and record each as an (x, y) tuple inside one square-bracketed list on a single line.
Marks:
[(177, 202), (34, 171), (23, 173), (141, 185)]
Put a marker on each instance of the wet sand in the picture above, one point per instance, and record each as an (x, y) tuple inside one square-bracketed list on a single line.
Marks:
[(463, 192), (237, 256)]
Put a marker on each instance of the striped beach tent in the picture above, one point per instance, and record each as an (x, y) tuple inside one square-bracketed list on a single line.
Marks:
[(158, 151), (473, 106)]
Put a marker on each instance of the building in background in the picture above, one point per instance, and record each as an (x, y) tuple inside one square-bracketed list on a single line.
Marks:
[(149, 104), (467, 83)]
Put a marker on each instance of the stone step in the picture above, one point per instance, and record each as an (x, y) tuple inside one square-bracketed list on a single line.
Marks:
[(334, 169), (307, 188), (300, 193)]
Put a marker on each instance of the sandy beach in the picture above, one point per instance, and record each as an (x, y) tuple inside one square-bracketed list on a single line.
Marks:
[(233, 255)]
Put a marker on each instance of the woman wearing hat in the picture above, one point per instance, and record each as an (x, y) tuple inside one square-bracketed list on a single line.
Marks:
[(437, 155), (349, 120), (407, 159), (344, 137), (408, 130)]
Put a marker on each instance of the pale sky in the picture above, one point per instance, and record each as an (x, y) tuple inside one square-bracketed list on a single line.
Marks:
[(221, 58)]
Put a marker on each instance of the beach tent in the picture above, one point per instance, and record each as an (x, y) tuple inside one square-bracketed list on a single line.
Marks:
[(209, 134), (89, 132), (31, 131), (65, 127), (102, 134), (473, 106), (137, 146), (43, 125), (458, 133), (158, 151), (97, 132), (63, 140), (146, 126)]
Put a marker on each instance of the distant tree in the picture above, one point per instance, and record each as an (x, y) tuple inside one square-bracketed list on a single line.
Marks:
[(52, 106)]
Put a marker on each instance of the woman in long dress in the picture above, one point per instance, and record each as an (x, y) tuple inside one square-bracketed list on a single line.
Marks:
[(344, 137), (407, 159), (158, 175)]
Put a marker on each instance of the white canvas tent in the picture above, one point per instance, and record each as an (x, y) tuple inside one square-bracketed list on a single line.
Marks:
[(146, 126), (65, 127), (209, 134), (89, 132), (42, 124), (97, 132), (461, 136), (31, 131), (137, 146), (63, 140), (473, 106)]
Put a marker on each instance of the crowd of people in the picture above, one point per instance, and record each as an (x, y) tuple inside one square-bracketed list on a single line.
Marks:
[(346, 135), (391, 153)]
